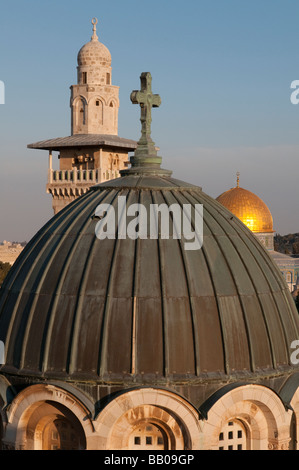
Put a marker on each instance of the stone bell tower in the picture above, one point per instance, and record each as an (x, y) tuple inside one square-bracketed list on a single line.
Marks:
[(94, 152), (94, 100)]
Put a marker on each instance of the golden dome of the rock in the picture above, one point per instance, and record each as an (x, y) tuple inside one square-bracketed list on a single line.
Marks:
[(249, 208)]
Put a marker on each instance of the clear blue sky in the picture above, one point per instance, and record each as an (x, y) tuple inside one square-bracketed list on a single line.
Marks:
[(223, 69)]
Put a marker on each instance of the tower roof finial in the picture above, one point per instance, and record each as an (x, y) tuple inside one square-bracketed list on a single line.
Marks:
[(94, 22)]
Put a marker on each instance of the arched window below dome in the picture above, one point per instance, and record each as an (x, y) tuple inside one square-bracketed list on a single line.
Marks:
[(233, 436), (148, 436), (51, 426), (60, 434)]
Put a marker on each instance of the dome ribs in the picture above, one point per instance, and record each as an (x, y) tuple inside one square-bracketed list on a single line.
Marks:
[(116, 348), (146, 310), (177, 316), (50, 357), (234, 334), (290, 323), (271, 310), (208, 335), (148, 333), (35, 258), (172, 198), (27, 252), (81, 345), (48, 314)]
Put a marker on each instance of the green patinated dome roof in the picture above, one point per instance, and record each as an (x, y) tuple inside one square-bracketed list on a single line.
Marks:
[(123, 310), (79, 308)]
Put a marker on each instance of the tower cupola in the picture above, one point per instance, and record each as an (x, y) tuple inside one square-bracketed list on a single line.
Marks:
[(94, 100), (94, 61)]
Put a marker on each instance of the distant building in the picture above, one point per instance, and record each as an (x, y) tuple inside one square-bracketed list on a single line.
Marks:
[(10, 251), (255, 214), (94, 152)]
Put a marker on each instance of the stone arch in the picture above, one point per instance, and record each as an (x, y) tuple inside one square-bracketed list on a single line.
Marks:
[(92, 100), (38, 405), (79, 99), (177, 420), (294, 404), (258, 408), (80, 114), (113, 103)]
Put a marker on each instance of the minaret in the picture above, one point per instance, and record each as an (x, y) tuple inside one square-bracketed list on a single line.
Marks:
[(94, 100), (94, 152)]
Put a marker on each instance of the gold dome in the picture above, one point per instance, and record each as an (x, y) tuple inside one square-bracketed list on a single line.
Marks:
[(249, 208)]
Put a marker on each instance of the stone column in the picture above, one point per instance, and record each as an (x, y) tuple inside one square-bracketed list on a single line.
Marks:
[(50, 169)]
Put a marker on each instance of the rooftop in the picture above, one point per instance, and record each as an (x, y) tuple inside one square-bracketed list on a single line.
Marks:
[(84, 140)]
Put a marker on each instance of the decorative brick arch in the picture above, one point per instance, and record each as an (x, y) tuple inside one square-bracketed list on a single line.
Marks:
[(174, 415), (260, 410), (77, 102), (31, 408), (97, 97), (79, 99)]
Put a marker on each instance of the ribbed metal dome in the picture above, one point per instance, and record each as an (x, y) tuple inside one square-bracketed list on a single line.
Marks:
[(76, 307), (145, 310)]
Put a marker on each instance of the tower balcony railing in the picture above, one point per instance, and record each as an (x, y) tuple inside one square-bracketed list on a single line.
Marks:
[(73, 176)]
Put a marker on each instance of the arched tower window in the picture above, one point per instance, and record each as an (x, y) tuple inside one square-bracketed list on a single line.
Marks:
[(80, 108)]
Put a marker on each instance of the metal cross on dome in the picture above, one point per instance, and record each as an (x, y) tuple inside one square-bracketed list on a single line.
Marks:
[(147, 100)]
